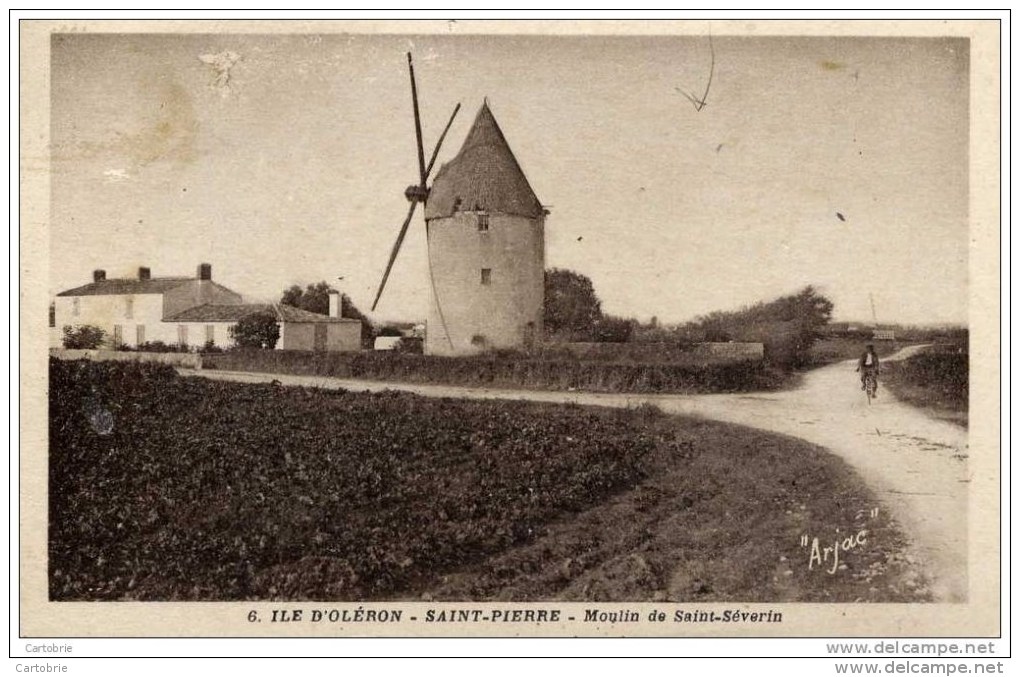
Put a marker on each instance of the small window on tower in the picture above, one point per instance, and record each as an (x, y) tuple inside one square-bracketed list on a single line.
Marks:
[(75, 306), (486, 276), (483, 223)]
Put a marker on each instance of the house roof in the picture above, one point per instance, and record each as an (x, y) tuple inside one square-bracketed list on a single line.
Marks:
[(232, 313), (155, 285), (217, 313), (286, 313), (484, 175)]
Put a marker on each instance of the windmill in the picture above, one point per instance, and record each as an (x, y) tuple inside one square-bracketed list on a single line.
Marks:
[(485, 235), (416, 193)]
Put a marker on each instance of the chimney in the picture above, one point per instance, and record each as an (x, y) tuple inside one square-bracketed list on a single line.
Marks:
[(335, 306), (144, 273), (98, 275), (205, 271)]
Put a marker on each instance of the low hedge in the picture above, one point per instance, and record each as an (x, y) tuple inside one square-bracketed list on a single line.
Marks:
[(505, 371)]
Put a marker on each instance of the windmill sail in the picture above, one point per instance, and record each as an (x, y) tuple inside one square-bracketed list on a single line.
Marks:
[(419, 193), (417, 124)]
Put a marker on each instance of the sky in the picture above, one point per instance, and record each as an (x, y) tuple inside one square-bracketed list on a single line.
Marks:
[(837, 162)]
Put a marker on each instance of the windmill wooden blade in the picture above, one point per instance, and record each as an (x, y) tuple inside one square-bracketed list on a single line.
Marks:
[(421, 194), (439, 144), (410, 211), (417, 125), (393, 253)]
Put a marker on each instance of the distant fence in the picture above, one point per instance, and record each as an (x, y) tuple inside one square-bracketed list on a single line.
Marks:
[(188, 360), (658, 353)]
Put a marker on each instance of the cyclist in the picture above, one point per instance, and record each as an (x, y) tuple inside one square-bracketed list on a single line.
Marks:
[(868, 364)]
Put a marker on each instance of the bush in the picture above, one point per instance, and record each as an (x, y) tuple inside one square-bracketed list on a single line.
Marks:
[(613, 330), (944, 372), (411, 344), (160, 347), (507, 369), (84, 337), (572, 310), (259, 330)]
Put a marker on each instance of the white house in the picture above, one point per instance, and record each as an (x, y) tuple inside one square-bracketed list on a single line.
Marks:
[(191, 311)]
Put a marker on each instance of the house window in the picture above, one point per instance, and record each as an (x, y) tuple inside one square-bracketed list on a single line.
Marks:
[(140, 334), (75, 306), (129, 307), (118, 335), (486, 276), (210, 334), (182, 334), (483, 223)]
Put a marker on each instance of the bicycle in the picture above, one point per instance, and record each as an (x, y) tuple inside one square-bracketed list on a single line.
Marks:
[(870, 384)]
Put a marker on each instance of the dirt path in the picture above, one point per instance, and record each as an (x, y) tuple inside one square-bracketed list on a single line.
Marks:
[(916, 466)]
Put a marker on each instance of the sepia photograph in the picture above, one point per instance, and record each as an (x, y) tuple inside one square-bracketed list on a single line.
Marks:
[(469, 328)]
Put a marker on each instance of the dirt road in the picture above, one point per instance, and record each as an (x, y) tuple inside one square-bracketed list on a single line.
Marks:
[(916, 466)]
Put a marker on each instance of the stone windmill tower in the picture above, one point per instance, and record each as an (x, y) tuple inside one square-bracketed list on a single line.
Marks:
[(485, 230), (486, 246)]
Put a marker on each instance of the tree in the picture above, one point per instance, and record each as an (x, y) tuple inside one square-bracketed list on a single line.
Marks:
[(258, 330), (817, 308), (292, 296), (314, 298), (786, 326), (572, 310), (348, 309), (84, 337)]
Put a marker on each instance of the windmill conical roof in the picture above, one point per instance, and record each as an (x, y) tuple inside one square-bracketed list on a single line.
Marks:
[(484, 175)]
